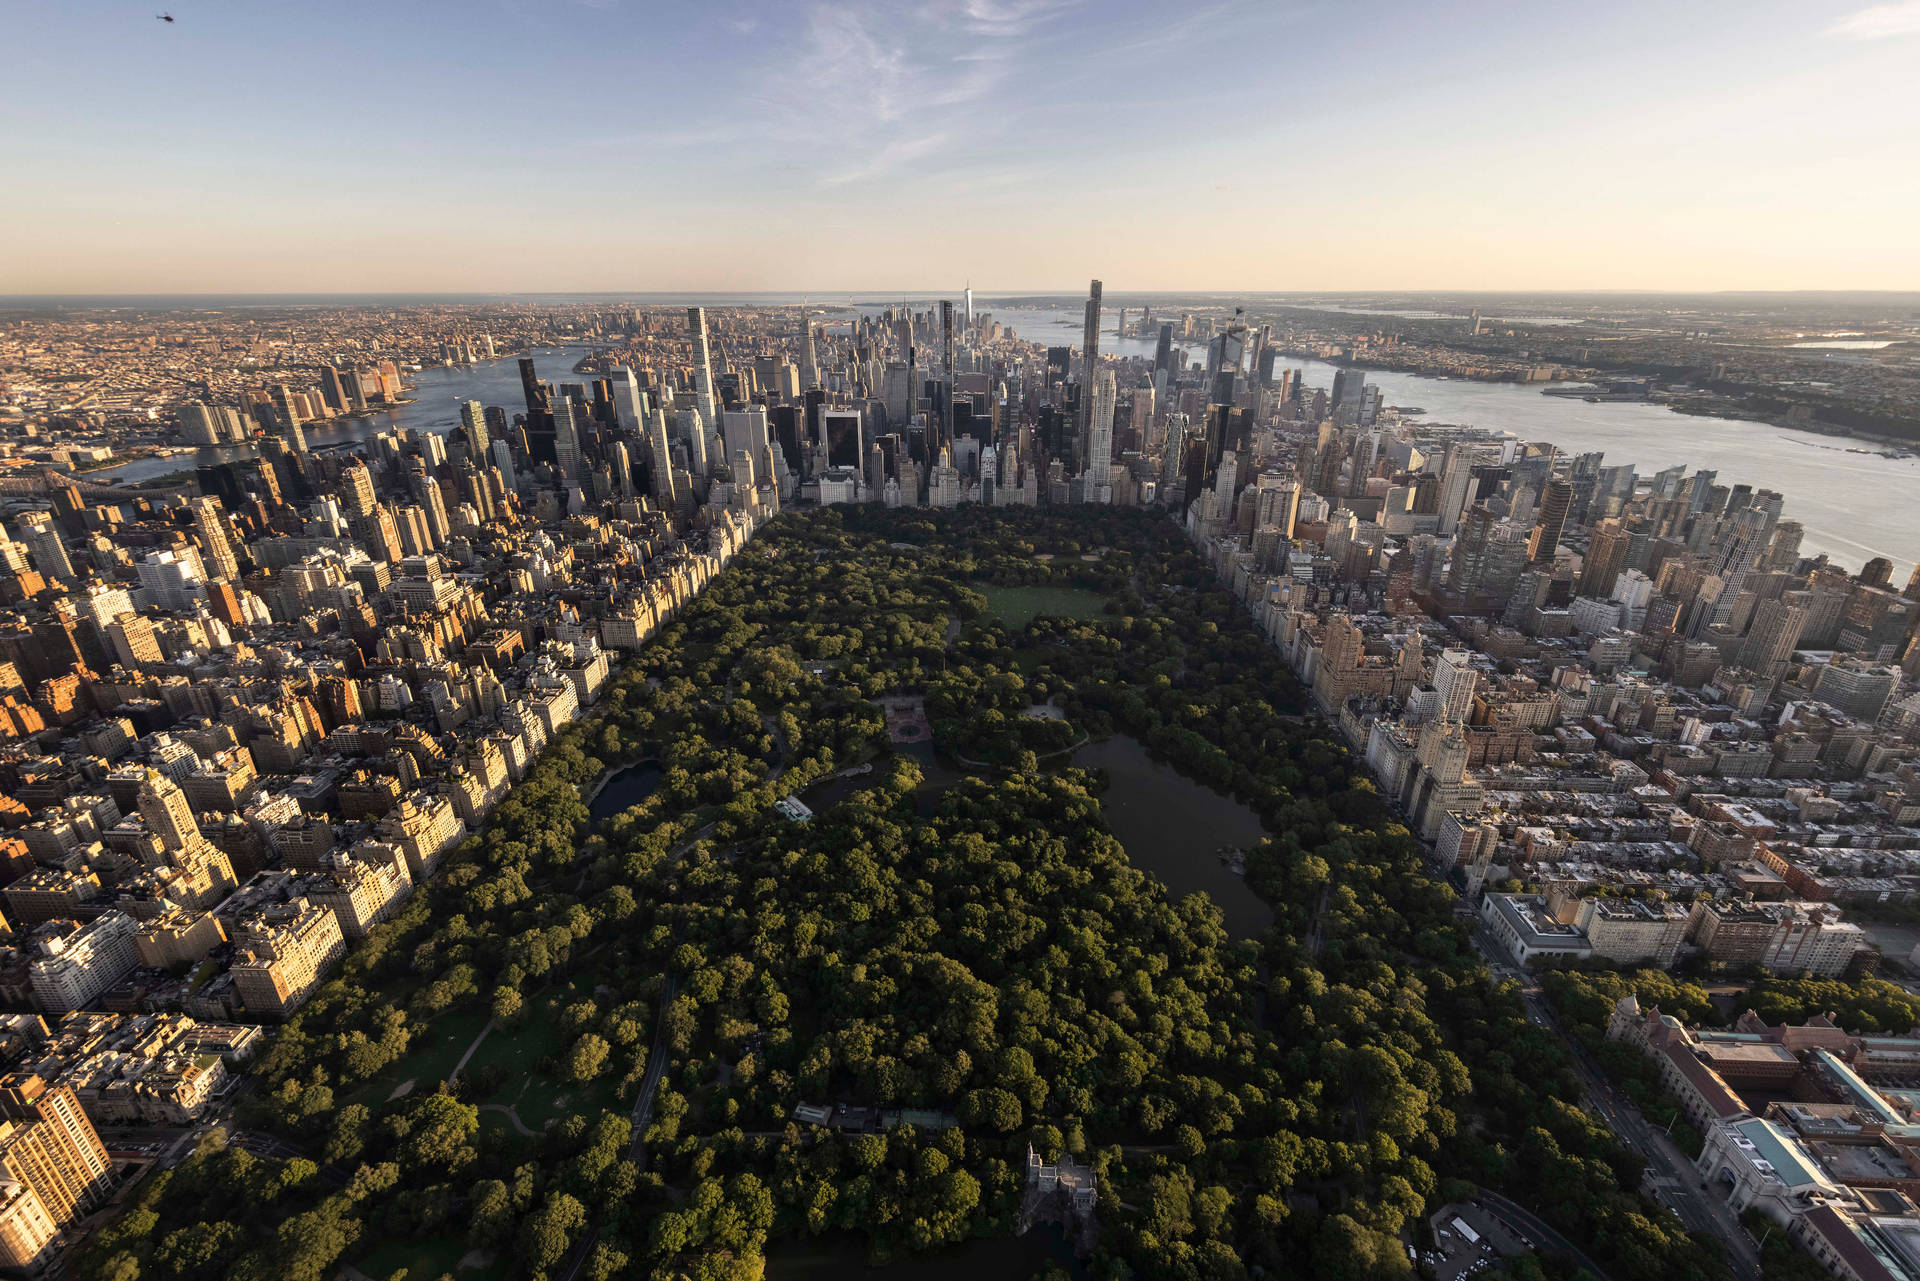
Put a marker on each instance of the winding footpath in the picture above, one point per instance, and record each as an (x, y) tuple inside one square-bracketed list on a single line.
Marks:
[(656, 1069)]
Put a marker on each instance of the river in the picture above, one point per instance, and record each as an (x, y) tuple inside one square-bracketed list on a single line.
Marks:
[(436, 396), (1853, 506)]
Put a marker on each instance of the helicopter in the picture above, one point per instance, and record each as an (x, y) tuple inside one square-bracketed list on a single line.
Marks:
[(163, 17)]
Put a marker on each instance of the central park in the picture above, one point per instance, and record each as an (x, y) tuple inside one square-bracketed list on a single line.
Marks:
[(1082, 877)]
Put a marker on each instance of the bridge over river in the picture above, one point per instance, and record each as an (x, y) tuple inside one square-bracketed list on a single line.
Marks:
[(41, 482)]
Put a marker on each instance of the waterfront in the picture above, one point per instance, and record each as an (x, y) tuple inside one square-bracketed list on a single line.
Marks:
[(1853, 506), (435, 396)]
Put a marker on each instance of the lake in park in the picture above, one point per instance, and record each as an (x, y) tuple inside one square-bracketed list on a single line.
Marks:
[(1170, 825), (624, 787), (1174, 828)]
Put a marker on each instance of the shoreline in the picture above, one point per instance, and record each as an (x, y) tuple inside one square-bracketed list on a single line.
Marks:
[(1563, 386), (606, 776)]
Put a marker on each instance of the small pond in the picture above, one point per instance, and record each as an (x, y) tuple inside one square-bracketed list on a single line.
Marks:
[(626, 786)]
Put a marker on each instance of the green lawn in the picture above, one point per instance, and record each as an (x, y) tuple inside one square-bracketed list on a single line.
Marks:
[(1015, 607), (429, 1059), (534, 1097), (424, 1260)]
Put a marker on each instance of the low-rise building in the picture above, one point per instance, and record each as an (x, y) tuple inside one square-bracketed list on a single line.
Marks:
[(1522, 924)]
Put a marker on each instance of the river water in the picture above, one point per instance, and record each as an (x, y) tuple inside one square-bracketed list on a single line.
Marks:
[(1853, 506), (436, 396)]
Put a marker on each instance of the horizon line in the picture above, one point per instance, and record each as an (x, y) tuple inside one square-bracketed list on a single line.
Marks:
[(828, 295)]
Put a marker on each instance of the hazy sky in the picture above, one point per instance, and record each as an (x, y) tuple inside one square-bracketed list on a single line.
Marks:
[(268, 145)]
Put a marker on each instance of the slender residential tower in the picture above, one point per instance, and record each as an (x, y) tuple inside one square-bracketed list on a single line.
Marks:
[(1089, 361), (946, 371), (702, 364)]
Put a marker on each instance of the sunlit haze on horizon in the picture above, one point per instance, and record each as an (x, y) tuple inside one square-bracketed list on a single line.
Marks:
[(609, 144)]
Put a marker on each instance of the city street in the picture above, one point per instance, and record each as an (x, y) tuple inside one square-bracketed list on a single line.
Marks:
[(1671, 1178)]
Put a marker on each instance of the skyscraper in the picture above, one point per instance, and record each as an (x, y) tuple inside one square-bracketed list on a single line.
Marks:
[(1771, 640), (566, 437), (1173, 453), (331, 391), (1454, 680), (745, 431), (702, 364), (622, 468), (809, 358), (283, 407), (1349, 386), (1163, 354), (473, 417), (1736, 556), (1551, 523), (43, 541), (198, 425), (216, 551), (692, 428), (1454, 485), (1606, 557), (1702, 490), (660, 457), (539, 398), (50, 1149), (840, 429), (1224, 356), (355, 390), (1089, 361), (946, 371), (1099, 485), (629, 402)]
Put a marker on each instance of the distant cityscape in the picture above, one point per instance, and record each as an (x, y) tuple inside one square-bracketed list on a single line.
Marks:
[(251, 702)]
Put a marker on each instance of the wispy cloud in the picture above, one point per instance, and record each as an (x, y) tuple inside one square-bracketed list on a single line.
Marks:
[(1880, 22), (877, 84), (1008, 18), (890, 156)]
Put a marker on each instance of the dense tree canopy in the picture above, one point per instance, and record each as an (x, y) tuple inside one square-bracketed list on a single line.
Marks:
[(984, 952)]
